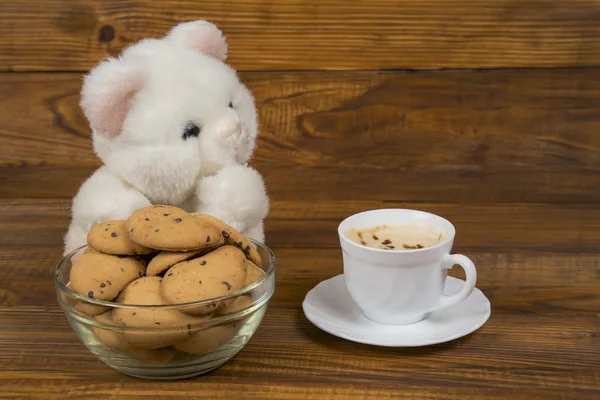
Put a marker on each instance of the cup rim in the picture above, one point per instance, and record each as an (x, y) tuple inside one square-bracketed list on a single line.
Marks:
[(347, 241), (112, 305)]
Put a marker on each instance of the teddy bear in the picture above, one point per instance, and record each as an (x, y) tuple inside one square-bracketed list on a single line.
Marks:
[(173, 125)]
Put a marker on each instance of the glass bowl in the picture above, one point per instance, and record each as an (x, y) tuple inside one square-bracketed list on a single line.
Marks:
[(181, 350)]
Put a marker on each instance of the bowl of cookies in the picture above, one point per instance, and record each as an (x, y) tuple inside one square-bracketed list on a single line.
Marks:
[(165, 294)]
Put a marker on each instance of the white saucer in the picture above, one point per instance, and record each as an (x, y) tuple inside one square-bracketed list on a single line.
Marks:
[(330, 307)]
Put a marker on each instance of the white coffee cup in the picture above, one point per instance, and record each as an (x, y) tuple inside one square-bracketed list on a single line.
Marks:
[(400, 287)]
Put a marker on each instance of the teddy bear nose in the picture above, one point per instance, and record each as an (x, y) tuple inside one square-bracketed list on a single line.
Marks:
[(228, 126)]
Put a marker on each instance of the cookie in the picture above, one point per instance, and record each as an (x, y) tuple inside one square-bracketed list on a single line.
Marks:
[(146, 258), (166, 259), (209, 339), (88, 249), (215, 274), (143, 258), (232, 236), (253, 273), (114, 339), (102, 276), (240, 304), (90, 309), (156, 356), (171, 228), (111, 237), (164, 326)]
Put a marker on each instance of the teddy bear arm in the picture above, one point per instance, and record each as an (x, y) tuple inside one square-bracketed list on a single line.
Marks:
[(256, 232), (236, 195), (102, 197)]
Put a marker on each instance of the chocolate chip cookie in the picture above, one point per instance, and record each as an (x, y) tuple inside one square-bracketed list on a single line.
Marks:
[(171, 228)]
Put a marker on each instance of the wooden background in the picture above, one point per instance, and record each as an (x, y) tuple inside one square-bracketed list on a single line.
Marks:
[(486, 112)]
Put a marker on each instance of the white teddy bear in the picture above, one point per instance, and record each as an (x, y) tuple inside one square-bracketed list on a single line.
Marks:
[(173, 125)]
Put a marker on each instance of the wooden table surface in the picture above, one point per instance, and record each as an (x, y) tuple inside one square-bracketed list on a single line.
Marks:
[(355, 114)]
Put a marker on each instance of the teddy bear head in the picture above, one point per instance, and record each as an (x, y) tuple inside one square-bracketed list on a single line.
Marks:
[(169, 111)]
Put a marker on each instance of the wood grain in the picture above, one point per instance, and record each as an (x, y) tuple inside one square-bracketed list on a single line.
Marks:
[(62, 35), (438, 137), (313, 224), (502, 360)]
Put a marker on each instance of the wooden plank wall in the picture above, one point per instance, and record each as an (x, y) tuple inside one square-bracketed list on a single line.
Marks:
[(443, 137), (473, 118), (335, 99), (269, 35)]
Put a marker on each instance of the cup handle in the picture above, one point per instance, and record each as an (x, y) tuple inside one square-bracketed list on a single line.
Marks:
[(471, 279)]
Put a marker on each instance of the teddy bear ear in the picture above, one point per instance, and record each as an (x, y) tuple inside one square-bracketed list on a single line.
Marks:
[(202, 36), (107, 93)]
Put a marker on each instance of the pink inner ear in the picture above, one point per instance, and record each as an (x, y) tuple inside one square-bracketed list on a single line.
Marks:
[(202, 36), (107, 95), (212, 45), (109, 115)]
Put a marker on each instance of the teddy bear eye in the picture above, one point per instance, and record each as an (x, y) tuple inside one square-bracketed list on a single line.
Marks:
[(230, 105), (191, 130)]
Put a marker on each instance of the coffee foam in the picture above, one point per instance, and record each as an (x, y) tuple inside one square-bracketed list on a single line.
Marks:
[(395, 237)]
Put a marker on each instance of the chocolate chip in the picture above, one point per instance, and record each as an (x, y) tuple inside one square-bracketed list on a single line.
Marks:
[(203, 262), (133, 313), (103, 285), (207, 239), (386, 241), (226, 284), (225, 234), (157, 323), (189, 329), (166, 215), (122, 270), (114, 234), (91, 294), (419, 246), (146, 219), (200, 281), (157, 230), (101, 291), (177, 220), (170, 274), (363, 242), (390, 247), (375, 237), (246, 251), (131, 230), (240, 244), (406, 246), (109, 282), (105, 229)]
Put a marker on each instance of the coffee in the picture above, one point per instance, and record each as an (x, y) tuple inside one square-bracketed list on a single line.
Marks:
[(401, 237)]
